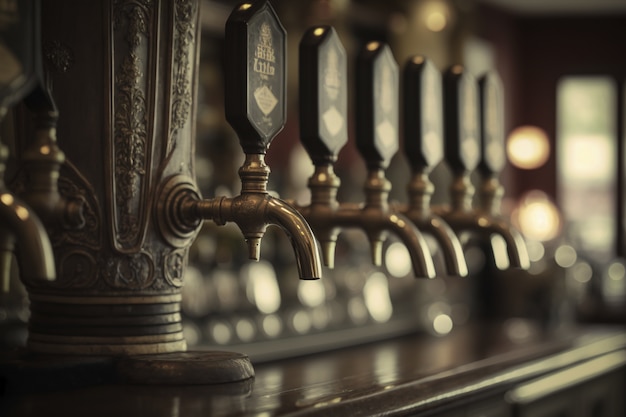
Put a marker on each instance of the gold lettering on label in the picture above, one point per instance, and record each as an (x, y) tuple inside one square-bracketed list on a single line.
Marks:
[(264, 55)]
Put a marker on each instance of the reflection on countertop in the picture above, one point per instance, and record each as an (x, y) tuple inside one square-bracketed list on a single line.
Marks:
[(405, 375)]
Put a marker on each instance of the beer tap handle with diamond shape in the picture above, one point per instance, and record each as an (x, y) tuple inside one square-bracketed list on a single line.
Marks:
[(491, 94), (462, 140), (255, 76), (377, 92), (423, 119), (323, 94)]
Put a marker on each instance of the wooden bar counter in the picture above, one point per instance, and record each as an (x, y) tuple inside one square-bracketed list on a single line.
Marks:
[(473, 371)]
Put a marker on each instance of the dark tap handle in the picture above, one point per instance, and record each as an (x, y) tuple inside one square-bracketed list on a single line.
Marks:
[(423, 108), (377, 105), (323, 94), (491, 124), (255, 75), (461, 126)]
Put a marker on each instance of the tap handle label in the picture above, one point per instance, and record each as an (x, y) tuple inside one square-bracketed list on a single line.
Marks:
[(377, 99), (423, 113), (492, 152), (20, 50), (461, 126), (255, 74), (323, 94)]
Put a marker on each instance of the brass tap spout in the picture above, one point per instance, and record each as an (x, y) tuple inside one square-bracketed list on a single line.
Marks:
[(22, 230), (516, 255), (34, 252), (377, 217), (462, 218), (327, 218), (253, 210), (420, 190)]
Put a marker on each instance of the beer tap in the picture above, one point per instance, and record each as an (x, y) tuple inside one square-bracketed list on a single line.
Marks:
[(256, 109), (20, 229), (323, 124), (43, 160), (492, 162), (463, 155), (423, 146)]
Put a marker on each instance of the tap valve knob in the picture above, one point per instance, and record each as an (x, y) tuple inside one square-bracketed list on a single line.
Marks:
[(323, 94), (423, 109), (377, 105), (462, 141), (491, 124), (255, 75)]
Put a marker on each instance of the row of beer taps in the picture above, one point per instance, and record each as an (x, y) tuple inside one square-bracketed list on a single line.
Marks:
[(469, 127), (451, 117), (470, 120)]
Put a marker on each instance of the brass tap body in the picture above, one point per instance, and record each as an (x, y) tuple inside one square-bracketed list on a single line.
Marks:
[(253, 211)]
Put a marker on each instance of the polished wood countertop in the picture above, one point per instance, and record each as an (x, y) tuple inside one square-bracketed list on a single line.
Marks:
[(402, 376)]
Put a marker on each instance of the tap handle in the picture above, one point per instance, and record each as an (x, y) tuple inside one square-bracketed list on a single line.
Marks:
[(423, 108), (21, 59), (491, 124), (255, 75), (461, 128), (323, 94), (377, 105)]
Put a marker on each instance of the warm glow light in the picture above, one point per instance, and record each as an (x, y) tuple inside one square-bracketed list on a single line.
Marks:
[(538, 217), (245, 330), (377, 300), (398, 260), (565, 256), (221, 333), (272, 325), (7, 199), (418, 59), (457, 69), (436, 21), (582, 272), (528, 147), (372, 46), (436, 15), (262, 286), (245, 6), (301, 322), (22, 212), (311, 293), (318, 31), (443, 324)]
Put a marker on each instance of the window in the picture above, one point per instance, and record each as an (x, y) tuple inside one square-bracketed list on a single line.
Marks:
[(587, 162)]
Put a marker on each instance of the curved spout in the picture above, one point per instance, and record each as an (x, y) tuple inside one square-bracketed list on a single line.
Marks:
[(449, 243), (515, 245), (302, 239), (34, 252), (414, 241)]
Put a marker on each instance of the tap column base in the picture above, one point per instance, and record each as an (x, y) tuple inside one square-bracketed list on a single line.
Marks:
[(121, 325)]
